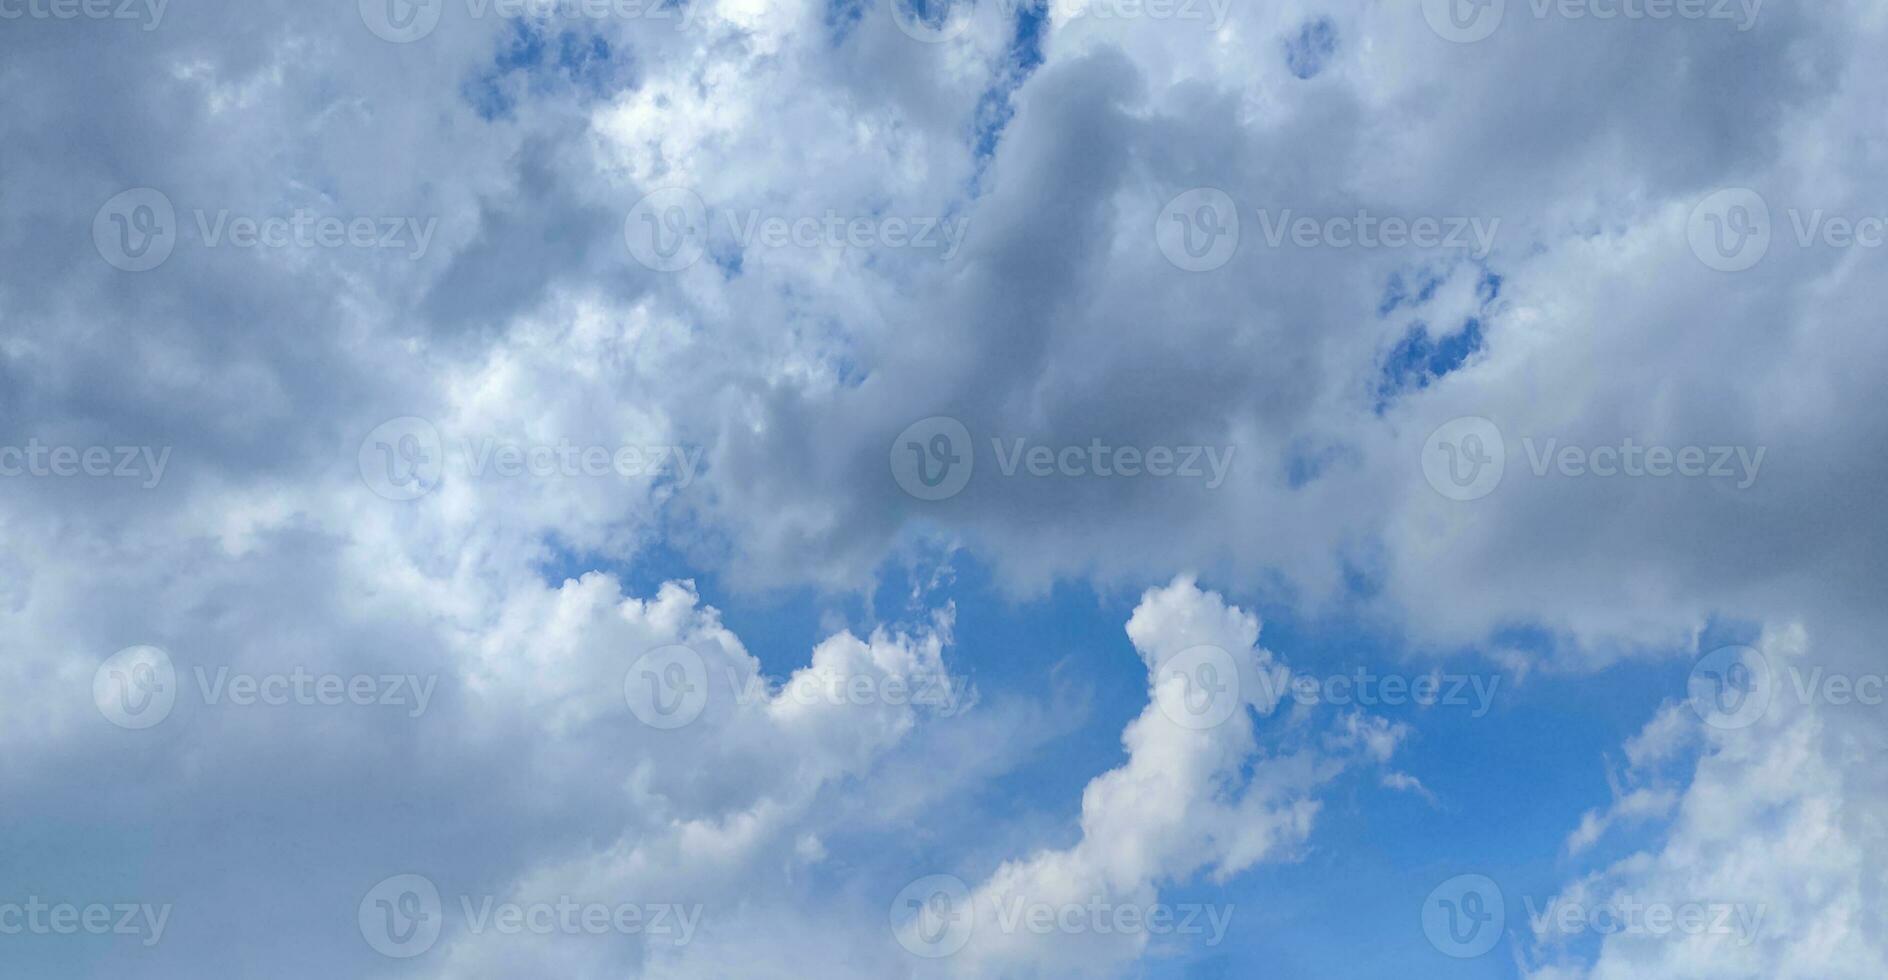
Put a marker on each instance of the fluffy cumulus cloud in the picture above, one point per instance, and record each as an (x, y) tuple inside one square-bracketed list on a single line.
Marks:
[(1765, 869), (419, 489), (1193, 796)]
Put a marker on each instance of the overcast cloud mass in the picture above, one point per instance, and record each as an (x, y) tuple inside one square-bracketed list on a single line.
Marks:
[(874, 488)]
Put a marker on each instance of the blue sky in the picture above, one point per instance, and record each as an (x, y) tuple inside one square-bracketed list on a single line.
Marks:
[(1504, 782)]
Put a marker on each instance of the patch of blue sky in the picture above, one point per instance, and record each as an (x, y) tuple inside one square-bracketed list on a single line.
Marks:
[(1422, 357), (1312, 48), (538, 56), (1510, 771)]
